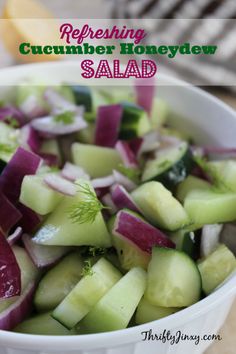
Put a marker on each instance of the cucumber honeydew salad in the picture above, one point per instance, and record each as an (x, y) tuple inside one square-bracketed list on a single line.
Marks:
[(109, 217)]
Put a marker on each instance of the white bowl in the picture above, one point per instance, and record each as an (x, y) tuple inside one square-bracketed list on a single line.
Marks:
[(211, 122)]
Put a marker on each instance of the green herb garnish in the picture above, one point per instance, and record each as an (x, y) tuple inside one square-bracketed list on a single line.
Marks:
[(11, 121), (87, 269), (86, 210), (66, 118), (131, 173), (95, 251)]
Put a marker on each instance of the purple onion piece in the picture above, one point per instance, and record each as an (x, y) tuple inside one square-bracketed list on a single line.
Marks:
[(103, 182), (145, 94), (107, 201), (135, 145), (60, 184), (108, 125), (72, 172), (8, 113), (19, 310), (30, 220), (139, 232), (21, 164), (43, 256), (32, 108), (124, 181), (9, 214), (15, 236), (122, 199), (29, 139), (126, 154), (10, 273)]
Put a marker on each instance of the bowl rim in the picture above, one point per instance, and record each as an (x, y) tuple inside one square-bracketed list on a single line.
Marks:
[(132, 334)]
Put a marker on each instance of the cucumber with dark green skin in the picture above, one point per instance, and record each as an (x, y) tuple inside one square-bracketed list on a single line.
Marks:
[(83, 96), (185, 241), (135, 121), (170, 168)]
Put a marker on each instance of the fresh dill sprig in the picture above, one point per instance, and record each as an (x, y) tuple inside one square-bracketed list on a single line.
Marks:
[(95, 251), (66, 117), (131, 173), (87, 268), (6, 148), (86, 210)]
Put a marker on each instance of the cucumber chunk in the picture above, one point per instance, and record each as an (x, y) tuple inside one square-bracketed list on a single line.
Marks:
[(42, 325), (58, 282), (173, 279), (210, 207), (59, 229), (146, 312), (50, 146), (36, 195), (185, 241), (9, 142), (86, 293), (189, 184), (159, 113), (225, 171), (135, 121), (97, 161), (115, 309), (159, 206), (216, 268), (170, 167)]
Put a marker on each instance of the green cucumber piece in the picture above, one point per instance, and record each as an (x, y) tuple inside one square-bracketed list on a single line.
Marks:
[(59, 229), (91, 99), (173, 279), (135, 121), (58, 282), (225, 171), (216, 268), (147, 312), (210, 207), (170, 167), (185, 241), (159, 113), (8, 143), (86, 135), (42, 325), (97, 161), (50, 146), (116, 308), (36, 195), (129, 254), (159, 206), (189, 184), (86, 293)]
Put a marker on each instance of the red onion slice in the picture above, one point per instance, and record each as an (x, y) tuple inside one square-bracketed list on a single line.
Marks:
[(151, 142), (60, 184), (57, 102), (31, 107), (30, 220), (210, 238), (73, 172), (19, 310), (10, 273), (43, 256), (15, 236), (135, 145), (103, 182), (9, 214), (12, 113), (22, 163), (49, 125), (126, 154), (122, 199), (124, 181), (29, 139), (108, 125), (107, 200), (139, 232), (145, 93)]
